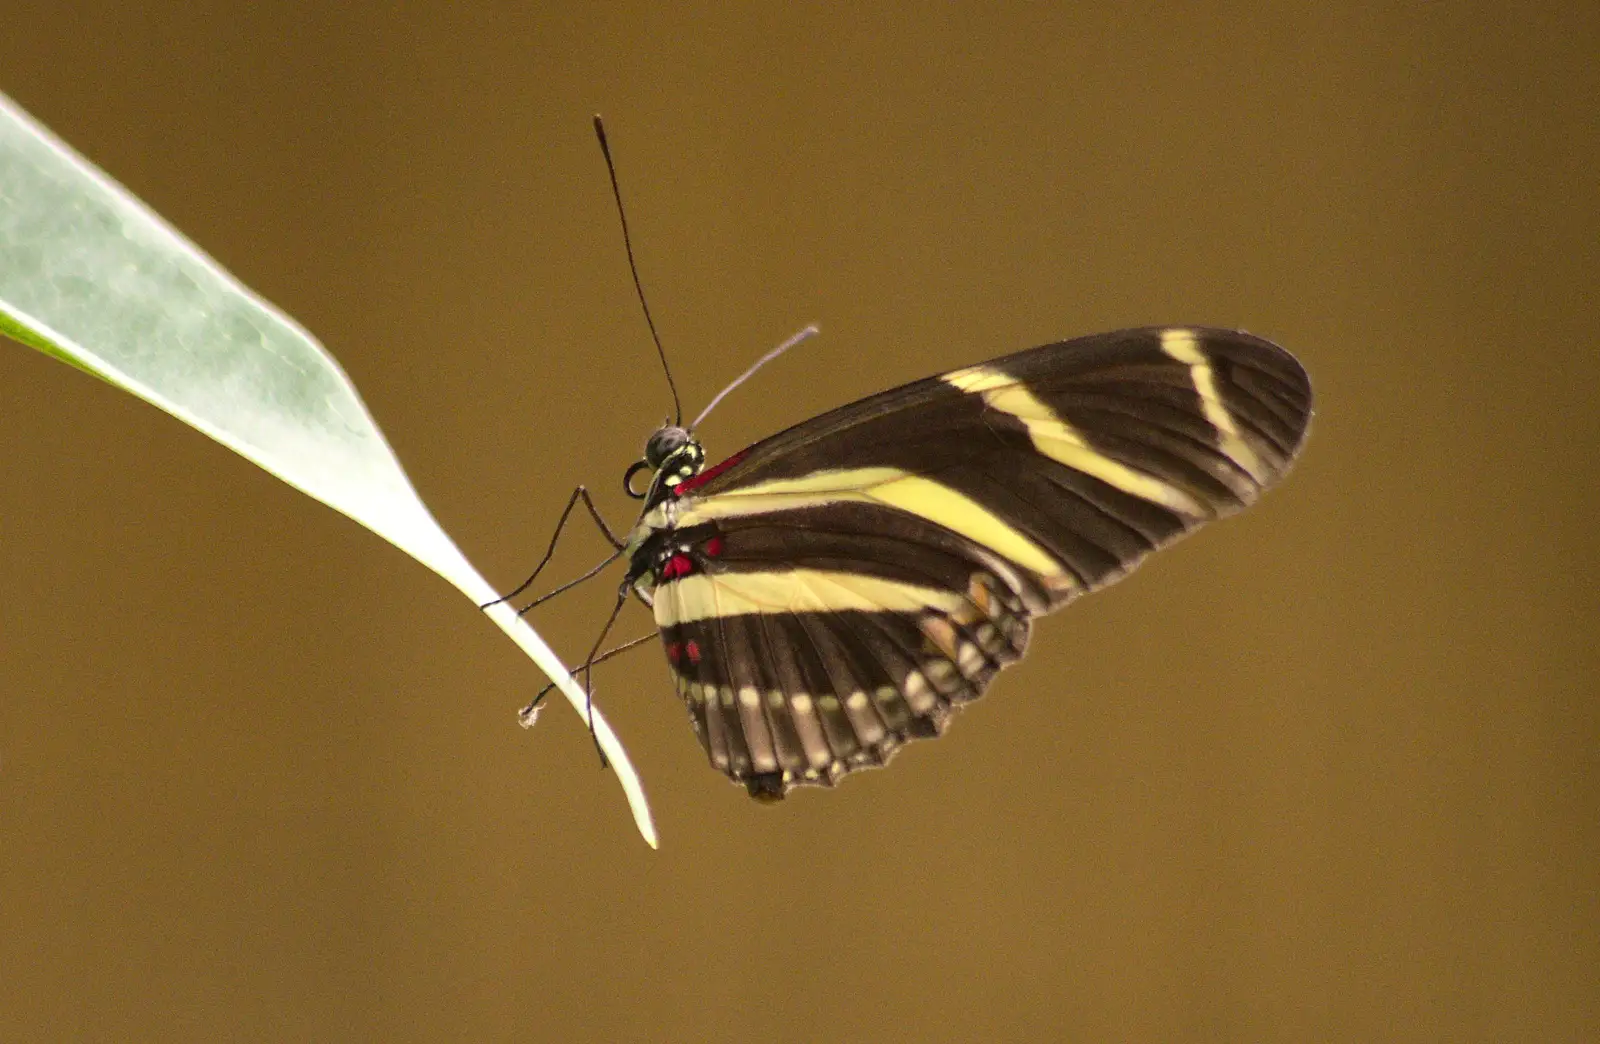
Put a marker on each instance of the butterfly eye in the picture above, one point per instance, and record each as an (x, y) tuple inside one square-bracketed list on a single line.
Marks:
[(627, 479)]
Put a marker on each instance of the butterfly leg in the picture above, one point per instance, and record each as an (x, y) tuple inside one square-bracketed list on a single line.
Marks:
[(581, 493), (530, 713), (569, 584), (590, 660)]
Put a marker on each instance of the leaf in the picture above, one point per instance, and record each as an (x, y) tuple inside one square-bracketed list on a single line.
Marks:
[(93, 277)]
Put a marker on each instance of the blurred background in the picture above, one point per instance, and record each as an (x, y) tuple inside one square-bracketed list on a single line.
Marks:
[(1329, 771)]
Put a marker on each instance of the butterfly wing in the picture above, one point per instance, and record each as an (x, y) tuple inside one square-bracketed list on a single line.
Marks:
[(877, 565)]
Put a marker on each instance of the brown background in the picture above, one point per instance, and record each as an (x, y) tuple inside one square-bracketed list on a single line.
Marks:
[(1327, 772)]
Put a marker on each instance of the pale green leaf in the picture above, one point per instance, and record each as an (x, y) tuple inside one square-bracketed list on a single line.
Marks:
[(91, 276)]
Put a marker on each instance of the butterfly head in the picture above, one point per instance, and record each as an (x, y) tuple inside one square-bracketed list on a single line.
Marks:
[(673, 454)]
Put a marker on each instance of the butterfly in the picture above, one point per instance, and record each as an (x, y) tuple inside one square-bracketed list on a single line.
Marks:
[(840, 589)]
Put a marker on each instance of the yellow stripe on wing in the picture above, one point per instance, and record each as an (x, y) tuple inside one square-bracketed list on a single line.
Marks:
[(702, 596), (1061, 442), (890, 487), (1183, 346)]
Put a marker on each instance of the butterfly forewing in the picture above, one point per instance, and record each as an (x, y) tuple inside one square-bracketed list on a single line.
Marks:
[(849, 581)]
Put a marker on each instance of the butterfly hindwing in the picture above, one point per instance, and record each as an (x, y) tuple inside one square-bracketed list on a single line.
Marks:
[(805, 695), (858, 576)]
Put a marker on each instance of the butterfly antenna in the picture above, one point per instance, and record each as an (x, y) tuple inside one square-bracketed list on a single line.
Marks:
[(627, 244), (810, 331)]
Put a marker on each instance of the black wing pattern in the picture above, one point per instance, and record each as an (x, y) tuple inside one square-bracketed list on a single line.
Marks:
[(853, 579)]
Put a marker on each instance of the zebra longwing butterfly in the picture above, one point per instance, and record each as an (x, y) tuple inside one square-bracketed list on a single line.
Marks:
[(839, 589)]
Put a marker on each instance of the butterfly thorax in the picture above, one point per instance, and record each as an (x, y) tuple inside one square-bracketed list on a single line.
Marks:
[(657, 549)]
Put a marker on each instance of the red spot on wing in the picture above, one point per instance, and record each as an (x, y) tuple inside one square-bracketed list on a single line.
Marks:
[(691, 649), (674, 651), (677, 565), (713, 547), (690, 484)]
